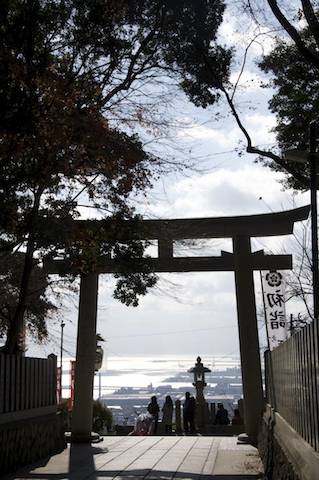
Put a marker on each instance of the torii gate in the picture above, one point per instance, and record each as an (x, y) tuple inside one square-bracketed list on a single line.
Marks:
[(242, 261)]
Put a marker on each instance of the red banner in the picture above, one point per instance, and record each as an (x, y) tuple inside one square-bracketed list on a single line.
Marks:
[(71, 399), (58, 385)]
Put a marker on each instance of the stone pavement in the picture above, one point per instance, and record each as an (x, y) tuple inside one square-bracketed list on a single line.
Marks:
[(150, 458)]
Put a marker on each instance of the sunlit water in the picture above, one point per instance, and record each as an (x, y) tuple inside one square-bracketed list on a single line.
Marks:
[(141, 371)]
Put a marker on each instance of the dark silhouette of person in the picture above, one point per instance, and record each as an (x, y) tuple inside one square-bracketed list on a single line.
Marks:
[(153, 409), (167, 418), (237, 420), (221, 416), (189, 413)]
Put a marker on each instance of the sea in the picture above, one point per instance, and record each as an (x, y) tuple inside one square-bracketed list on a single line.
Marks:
[(140, 372)]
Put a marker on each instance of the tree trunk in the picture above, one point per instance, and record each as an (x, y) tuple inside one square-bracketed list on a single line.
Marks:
[(16, 328)]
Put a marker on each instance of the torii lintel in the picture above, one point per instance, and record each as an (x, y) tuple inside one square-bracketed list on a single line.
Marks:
[(262, 225), (167, 231), (224, 263)]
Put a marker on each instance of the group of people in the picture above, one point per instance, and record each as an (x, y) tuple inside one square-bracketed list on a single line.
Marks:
[(221, 417), (167, 413), (189, 406), (147, 423)]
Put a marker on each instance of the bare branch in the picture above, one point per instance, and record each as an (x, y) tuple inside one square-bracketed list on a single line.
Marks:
[(131, 74), (252, 41), (242, 67), (264, 153)]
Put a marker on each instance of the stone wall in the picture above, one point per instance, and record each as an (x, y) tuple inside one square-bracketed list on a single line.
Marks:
[(30, 440), (285, 454), (276, 463)]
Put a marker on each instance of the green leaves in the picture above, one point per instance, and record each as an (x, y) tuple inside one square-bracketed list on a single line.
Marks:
[(132, 285), (102, 417), (296, 98), (38, 304)]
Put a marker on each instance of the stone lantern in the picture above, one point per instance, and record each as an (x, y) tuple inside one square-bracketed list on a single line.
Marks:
[(199, 383), (199, 379)]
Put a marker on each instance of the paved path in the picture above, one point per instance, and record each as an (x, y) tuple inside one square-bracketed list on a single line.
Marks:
[(150, 458)]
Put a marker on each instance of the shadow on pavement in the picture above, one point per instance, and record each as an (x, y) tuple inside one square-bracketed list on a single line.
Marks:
[(80, 465), (87, 472)]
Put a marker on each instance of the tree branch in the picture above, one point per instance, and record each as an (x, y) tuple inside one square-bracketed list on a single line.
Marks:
[(311, 19), (252, 41), (131, 75), (309, 55), (242, 68), (251, 149)]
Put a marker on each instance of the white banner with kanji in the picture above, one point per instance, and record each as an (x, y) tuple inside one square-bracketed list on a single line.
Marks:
[(274, 301)]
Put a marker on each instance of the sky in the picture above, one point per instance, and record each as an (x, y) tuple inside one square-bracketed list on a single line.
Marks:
[(195, 313)]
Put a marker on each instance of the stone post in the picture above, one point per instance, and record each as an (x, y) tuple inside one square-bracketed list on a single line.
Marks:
[(52, 387), (241, 409), (85, 359), (212, 412), (248, 335), (178, 417)]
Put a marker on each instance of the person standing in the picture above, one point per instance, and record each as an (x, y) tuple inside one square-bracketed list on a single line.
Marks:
[(167, 418), (153, 409), (189, 413)]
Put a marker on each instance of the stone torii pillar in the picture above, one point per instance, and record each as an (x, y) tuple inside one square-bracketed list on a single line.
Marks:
[(248, 334), (85, 359)]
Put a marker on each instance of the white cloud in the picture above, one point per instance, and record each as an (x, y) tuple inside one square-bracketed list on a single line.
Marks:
[(218, 137), (239, 30), (223, 193), (260, 125)]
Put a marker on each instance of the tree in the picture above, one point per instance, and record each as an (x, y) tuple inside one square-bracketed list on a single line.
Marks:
[(102, 420), (38, 304), (102, 417), (295, 101), (67, 69), (296, 46), (294, 63)]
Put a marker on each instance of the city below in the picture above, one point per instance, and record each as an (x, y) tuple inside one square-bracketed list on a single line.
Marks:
[(127, 402)]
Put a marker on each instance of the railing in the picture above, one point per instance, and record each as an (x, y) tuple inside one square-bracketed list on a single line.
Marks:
[(292, 382), (27, 386)]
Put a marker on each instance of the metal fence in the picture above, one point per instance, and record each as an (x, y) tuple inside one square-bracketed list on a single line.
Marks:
[(26, 383), (292, 382)]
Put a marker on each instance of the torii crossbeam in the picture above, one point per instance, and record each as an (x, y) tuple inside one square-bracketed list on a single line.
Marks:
[(242, 261)]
